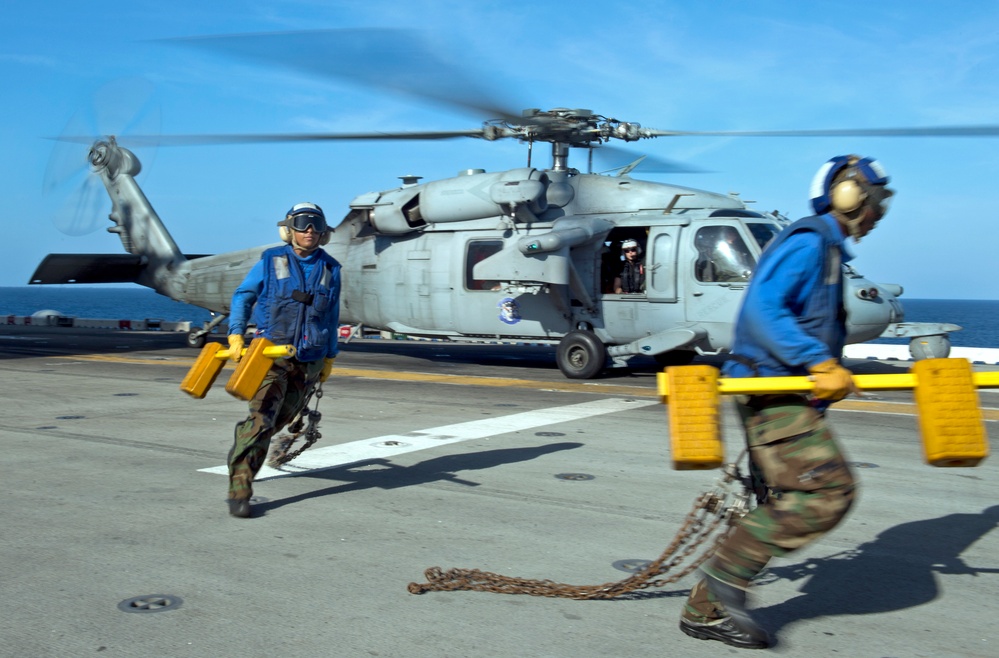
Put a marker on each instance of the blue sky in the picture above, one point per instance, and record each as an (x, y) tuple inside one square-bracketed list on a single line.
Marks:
[(723, 65)]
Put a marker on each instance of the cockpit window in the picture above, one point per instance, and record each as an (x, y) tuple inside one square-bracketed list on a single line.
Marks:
[(763, 232), (722, 255)]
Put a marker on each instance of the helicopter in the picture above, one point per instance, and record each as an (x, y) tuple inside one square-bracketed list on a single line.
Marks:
[(527, 254)]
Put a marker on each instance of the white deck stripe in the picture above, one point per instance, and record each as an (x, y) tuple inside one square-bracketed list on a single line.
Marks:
[(382, 447)]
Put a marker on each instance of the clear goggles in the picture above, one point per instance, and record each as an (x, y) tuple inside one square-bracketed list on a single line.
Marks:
[(301, 222)]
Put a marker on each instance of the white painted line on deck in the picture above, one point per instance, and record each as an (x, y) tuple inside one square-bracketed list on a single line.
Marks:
[(383, 447)]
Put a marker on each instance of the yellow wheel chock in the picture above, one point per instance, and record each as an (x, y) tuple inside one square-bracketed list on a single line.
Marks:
[(249, 373), (950, 420)]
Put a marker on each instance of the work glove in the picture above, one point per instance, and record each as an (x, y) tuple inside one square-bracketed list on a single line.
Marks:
[(832, 381), (327, 367), (235, 347)]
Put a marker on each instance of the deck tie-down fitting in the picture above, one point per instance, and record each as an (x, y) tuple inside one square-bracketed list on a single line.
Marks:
[(945, 391)]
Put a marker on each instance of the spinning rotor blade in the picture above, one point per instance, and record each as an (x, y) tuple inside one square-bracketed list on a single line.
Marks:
[(390, 59), (940, 131), (76, 199), (612, 158), (196, 140)]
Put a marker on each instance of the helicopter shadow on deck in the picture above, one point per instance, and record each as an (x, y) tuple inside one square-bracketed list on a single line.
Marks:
[(542, 357), (32, 342), (383, 474), (502, 355), (894, 571)]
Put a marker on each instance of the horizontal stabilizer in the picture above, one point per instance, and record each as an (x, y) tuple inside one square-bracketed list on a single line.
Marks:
[(90, 268)]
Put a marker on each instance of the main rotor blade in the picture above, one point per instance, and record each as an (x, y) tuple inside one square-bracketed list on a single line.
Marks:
[(611, 158), (939, 131), (196, 140), (390, 59)]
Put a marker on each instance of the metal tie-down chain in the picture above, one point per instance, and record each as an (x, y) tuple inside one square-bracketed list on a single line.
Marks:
[(696, 530), (305, 423)]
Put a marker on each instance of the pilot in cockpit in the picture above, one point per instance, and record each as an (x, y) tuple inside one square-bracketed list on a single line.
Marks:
[(722, 255)]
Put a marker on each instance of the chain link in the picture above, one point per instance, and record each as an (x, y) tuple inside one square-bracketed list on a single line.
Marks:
[(694, 532), (281, 446)]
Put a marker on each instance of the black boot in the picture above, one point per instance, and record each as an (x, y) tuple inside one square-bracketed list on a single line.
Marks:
[(239, 507), (723, 630), (734, 600)]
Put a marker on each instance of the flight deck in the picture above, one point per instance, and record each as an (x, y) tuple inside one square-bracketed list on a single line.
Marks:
[(117, 539)]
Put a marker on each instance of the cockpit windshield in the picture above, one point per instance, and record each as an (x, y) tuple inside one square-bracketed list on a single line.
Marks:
[(763, 232), (722, 255)]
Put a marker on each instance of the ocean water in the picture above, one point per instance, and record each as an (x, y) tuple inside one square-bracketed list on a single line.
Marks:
[(134, 303), (979, 318)]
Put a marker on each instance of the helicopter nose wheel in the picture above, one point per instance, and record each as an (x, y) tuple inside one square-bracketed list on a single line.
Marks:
[(581, 355)]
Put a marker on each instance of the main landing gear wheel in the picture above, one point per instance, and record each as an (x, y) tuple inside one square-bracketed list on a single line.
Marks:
[(581, 355), (197, 338)]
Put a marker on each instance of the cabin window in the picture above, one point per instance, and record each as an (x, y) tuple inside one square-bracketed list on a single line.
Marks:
[(478, 251), (613, 261), (722, 255)]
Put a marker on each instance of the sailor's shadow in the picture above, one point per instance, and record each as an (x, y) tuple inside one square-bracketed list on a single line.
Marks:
[(896, 570), (383, 474)]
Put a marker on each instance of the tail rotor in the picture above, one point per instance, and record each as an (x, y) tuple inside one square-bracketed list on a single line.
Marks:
[(77, 201)]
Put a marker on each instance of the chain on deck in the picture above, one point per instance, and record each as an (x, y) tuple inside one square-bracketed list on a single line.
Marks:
[(694, 532)]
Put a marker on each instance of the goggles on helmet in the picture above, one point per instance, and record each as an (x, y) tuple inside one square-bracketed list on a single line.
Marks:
[(880, 197), (302, 221)]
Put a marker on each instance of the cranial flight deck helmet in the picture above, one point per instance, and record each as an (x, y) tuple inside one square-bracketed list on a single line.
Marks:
[(631, 244), (848, 183), (300, 218)]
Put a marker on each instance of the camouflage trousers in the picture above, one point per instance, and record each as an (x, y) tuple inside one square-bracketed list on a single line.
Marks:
[(807, 488), (278, 400)]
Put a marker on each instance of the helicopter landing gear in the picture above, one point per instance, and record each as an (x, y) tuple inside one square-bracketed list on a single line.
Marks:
[(197, 337), (675, 358), (581, 355)]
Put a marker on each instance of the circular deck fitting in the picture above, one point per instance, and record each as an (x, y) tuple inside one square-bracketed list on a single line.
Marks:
[(125, 395), (69, 417), (391, 444), (631, 566), (549, 434), (150, 603), (863, 465), (574, 476)]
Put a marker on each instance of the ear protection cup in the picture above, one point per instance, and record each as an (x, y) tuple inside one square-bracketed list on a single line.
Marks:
[(836, 188), (847, 195), (325, 239)]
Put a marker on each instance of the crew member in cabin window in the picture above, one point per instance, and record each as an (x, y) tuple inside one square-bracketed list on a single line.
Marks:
[(632, 276)]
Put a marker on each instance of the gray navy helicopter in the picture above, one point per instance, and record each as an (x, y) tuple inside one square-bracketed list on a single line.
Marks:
[(528, 254)]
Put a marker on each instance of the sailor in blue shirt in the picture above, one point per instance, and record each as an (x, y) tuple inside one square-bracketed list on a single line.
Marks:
[(294, 295), (792, 322)]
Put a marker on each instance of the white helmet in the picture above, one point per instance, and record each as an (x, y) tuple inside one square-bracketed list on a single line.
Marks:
[(845, 182), (300, 218), (631, 244)]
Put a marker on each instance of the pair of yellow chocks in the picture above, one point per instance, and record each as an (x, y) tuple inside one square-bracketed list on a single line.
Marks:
[(249, 373), (950, 420)]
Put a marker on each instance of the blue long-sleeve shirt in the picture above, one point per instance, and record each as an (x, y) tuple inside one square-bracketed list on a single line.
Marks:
[(249, 290), (773, 304), (245, 297)]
